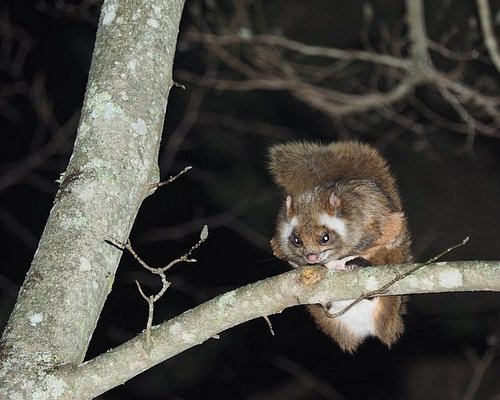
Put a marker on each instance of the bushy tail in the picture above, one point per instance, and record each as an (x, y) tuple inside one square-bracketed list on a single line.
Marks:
[(301, 166)]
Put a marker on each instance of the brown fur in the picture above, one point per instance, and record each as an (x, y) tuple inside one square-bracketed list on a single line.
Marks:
[(351, 181), (301, 166)]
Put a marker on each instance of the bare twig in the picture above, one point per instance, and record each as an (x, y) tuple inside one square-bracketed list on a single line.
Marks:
[(150, 300), (160, 271), (304, 49), (273, 62), (269, 324), (460, 109), (171, 179), (383, 289), (450, 54), (444, 123), (364, 102)]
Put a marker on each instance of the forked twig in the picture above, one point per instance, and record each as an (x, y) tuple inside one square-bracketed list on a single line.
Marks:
[(383, 289), (151, 299)]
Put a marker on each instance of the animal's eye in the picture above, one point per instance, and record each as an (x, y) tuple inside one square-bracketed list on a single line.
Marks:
[(325, 238), (296, 240)]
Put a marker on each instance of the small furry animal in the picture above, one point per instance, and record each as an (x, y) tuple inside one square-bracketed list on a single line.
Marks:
[(342, 210)]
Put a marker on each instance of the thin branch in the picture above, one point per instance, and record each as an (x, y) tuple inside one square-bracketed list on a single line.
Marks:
[(171, 179), (185, 257), (165, 284), (269, 324), (150, 300), (383, 289), (304, 49), (444, 123), (450, 54), (468, 119), (468, 93), (128, 246), (363, 102)]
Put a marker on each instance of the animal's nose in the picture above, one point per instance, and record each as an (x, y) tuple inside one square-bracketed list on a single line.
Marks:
[(312, 257)]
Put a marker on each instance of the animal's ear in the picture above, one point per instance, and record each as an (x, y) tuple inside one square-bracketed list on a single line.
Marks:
[(392, 229), (289, 207), (333, 204)]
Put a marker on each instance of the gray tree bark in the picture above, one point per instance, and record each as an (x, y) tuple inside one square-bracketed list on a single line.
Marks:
[(308, 285), (108, 177)]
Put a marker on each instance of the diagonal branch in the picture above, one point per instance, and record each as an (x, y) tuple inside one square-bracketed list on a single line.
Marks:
[(384, 288), (302, 286), (363, 102)]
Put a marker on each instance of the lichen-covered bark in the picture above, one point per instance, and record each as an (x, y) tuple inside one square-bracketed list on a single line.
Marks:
[(107, 178), (270, 296)]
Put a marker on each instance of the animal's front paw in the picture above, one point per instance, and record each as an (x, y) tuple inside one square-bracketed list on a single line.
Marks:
[(357, 262), (348, 263)]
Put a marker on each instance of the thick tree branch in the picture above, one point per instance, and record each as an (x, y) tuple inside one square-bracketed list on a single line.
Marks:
[(108, 177), (266, 297), (490, 39), (418, 38)]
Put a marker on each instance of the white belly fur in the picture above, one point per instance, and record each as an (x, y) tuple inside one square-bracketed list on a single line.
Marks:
[(360, 318)]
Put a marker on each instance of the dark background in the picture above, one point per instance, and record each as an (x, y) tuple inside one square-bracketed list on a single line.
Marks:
[(450, 190)]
